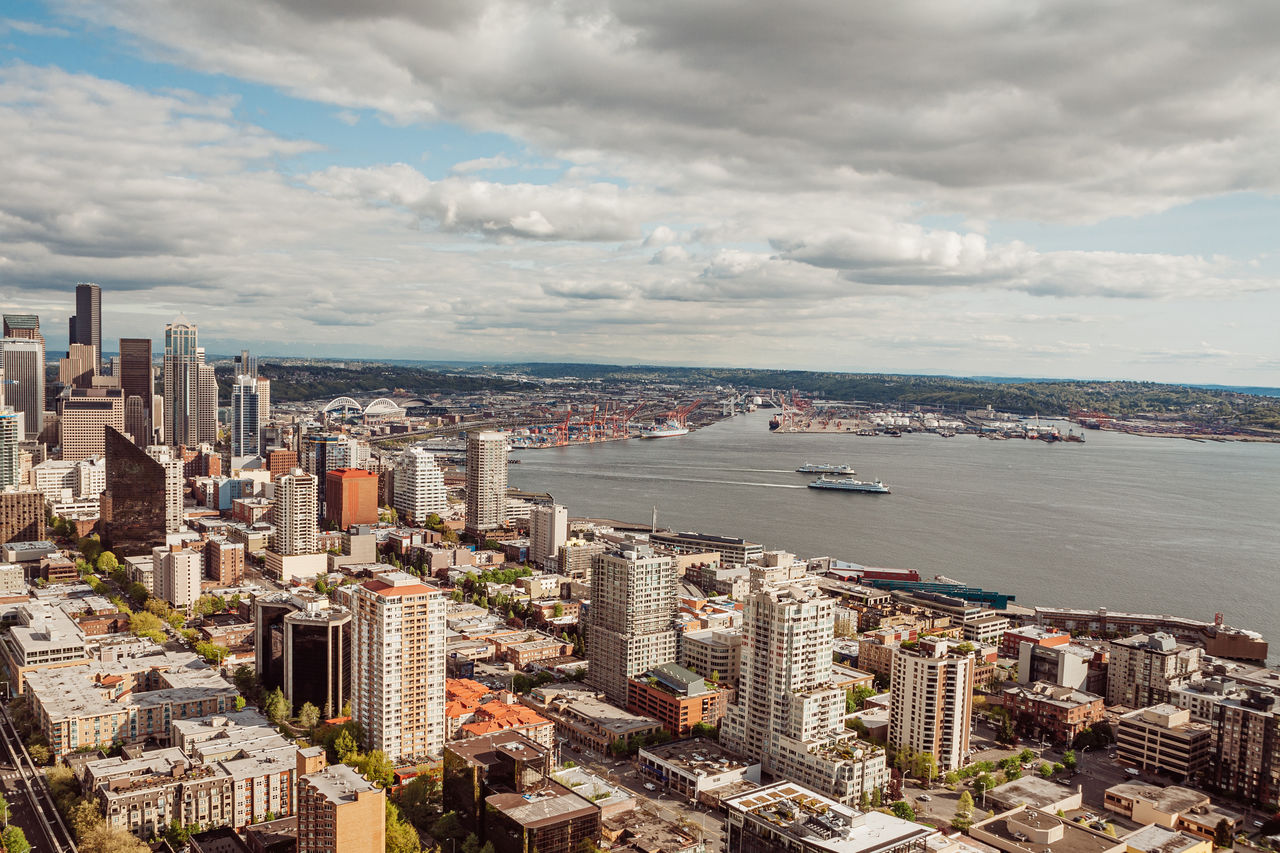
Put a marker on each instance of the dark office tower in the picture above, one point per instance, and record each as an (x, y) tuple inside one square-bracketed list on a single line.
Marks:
[(317, 655), (25, 326), (136, 422), (182, 360), (89, 320), (137, 378), (268, 636), (133, 506)]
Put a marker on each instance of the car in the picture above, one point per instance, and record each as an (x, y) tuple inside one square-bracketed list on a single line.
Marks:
[(924, 798), (649, 786)]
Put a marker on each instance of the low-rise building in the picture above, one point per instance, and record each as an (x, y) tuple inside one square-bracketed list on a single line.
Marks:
[(505, 714), (1043, 709), (695, 768), (1035, 792), (1169, 806), (584, 719), (1157, 839), (677, 698), (714, 654), (1012, 641), (1029, 830), (549, 819), (788, 816), (1164, 738)]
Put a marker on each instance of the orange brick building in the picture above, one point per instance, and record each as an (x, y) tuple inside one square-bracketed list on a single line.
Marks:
[(350, 497), (340, 811), (224, 561), (677, 698)]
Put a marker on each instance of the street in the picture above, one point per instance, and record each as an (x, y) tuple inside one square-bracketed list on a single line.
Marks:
[(669, 807)]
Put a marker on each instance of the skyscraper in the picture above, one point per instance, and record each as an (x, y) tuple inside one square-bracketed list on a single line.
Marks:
[(206, 403), (182, 358), (295, 511), (246, 364), (134, 503), (632, 625), (264, 402), (83, 416), (136, 423), (137, 378), (931, 701), (419, 485), (25, 326), (10, 436), (487, 483), (398, 666), (88, 321), (76, 370), (24, 381), (174, 479), (548, 530), (788, 712), (246, 431)]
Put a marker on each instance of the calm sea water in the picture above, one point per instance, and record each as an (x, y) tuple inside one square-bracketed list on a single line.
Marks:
[(1142, 524)]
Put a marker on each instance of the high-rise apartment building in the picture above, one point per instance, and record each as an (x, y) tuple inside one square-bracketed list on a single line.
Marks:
[(10, 437), (25, 326), (176, 574), (323, 452), (789, 715), (398, 665), (931, 701), (548, 530), (1144, 669), (86, 323), (295, 513), (182, 358), (246, 429), (224, 561), (206, 403), (137, 379), (419, 485), (76, 370), (340, 811), (264, 401), (632, 626), (351, 497), (83, 416), (22, 516), (24, 382), (134, 505), (174, 479), (486, 481)]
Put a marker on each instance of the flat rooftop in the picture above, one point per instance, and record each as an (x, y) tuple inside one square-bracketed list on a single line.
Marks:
[(547, 806), (700, 756), (822, 823), (1170, 799), (1158, 839), (1032, 791), (339, 783)]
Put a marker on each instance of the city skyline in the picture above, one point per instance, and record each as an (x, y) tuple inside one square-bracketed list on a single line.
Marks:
[(1018, 191)]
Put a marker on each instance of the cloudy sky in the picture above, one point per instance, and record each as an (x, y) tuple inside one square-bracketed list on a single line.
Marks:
[(1009, 187)]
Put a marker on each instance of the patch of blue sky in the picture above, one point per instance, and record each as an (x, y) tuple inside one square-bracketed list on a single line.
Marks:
[(348, 137)]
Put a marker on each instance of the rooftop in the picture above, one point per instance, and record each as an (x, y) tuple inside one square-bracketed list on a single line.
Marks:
[(1170, 799), (700, 756), (547, 806), (1032, 791), (1158, 839), (1036, 831), (339, 783)]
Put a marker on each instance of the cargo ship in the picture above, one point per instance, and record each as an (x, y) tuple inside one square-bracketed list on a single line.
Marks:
[(670, 429), (848, 484), (810, 468)]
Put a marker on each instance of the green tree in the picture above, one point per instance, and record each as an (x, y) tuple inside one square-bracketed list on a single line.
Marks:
[(376, 766), (240, 703), (1046, 770), (39, 753), (1026, 756), (1069, 760), (925, 767), (965, 804), (400, 834), (448, 826), (14, 840), (1222, 834), (345, 746), (276, 707), (107, 562), (877, 798), (903, 810), (148, 625), (471, 845), (308, 716)]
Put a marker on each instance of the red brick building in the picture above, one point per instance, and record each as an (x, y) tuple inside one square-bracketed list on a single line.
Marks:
[(677, 698), (1015, 637), (350, 497), (280, 462), (224, 561), (1047, 710)]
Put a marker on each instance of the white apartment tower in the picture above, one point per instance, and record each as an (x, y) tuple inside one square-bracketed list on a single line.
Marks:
[(174, 479), (296, 516), (931, 701), (419, 485), (182, 358), (176, 575), (486, 481), (632, 625), (246, 426), (398, 666), (789, 716), (548, 530), (11, 433)]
